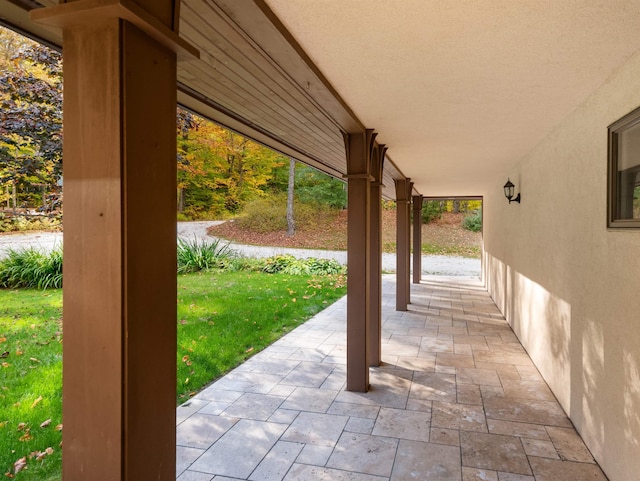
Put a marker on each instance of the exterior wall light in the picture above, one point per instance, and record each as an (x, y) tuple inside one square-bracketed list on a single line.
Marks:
[(508, 192)]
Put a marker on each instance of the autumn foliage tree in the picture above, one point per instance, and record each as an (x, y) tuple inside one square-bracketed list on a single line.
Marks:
[(30, 112), (219, 171)]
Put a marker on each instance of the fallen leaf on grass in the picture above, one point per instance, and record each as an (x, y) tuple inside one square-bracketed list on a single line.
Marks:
[(45, 424), (3, 339), (26, 436), (5, 364), (40, 455), (35, 359), (36, 402), (20, 464), (59, 427), (249, 350), (5, 354), (21, 426)]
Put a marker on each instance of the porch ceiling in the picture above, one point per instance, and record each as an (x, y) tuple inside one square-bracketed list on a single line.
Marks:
[(458, 92)]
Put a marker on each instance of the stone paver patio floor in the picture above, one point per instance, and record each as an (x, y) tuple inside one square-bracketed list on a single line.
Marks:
[(457, 399)]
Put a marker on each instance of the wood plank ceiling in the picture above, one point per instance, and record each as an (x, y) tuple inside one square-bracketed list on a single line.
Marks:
[(251, 77)]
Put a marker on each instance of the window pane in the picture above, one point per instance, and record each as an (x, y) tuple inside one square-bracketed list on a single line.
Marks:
[(628, 167), (629, 148), (629, 193)]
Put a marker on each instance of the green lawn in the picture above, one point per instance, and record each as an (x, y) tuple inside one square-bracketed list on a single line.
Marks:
[(30, 380), (441, 249), (223, 318)]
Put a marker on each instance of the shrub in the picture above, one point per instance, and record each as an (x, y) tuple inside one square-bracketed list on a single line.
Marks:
[(431, 210), (270, 214), (325, 266), (265, 215), (288, 264), (19, 223), (473, 222), (194, 255), (243, 264), (31, 268)]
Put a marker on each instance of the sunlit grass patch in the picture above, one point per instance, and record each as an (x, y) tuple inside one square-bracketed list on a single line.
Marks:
[(223, 318)]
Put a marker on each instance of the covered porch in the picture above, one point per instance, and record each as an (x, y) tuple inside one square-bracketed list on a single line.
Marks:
[(402, 100), (455, 398)]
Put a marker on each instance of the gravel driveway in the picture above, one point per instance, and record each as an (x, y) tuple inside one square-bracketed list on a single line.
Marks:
[(440, 265)]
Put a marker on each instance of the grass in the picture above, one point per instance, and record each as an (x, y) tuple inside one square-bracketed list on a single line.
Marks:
[(452, 250), (238, 314), (441, 250), (223, 318), (31, 380), (195, 255), (31, 267)]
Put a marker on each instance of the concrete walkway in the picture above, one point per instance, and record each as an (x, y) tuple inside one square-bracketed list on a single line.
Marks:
[(457, 399), (439, 265)]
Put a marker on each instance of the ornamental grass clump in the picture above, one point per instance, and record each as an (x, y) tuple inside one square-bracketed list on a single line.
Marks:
[(31, 268), (194, 255)]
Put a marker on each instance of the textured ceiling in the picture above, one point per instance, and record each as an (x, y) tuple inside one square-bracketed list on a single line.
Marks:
[(460, 91)]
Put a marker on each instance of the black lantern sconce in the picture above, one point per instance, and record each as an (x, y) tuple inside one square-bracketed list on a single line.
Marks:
[(508, 192)]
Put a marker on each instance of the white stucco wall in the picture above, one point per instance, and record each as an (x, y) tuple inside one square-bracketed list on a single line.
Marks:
[(569, 287)]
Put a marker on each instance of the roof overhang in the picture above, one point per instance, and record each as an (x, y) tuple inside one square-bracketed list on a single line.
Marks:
[(459, 93)]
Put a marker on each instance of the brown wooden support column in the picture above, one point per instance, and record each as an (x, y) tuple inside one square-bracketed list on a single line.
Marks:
[(358, 149), (408, 259), (417, 238), (375, 301), (119, 370), (403, 242)]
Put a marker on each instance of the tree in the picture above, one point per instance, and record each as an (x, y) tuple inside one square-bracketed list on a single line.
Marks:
[(219, 171), (185, 123), (30, 112), (317, 187), (291, 223)]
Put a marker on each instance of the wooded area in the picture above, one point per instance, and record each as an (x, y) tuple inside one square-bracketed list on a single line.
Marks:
[(219, 171), (30, 122)]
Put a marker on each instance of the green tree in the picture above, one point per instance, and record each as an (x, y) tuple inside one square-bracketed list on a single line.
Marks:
[(432, 210), (313, 186)]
